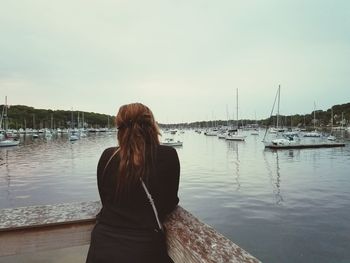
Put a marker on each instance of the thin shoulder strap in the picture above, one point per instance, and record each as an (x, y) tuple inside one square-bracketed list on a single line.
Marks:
[(149, 196)]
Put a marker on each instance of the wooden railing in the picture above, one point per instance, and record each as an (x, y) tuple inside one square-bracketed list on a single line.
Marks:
[(40, 228)]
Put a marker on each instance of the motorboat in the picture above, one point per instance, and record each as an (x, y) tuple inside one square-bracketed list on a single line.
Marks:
[(211, 132), (331, 138), (73, 137), (171, 142), (8, 142), (312, 134), (233, 135)]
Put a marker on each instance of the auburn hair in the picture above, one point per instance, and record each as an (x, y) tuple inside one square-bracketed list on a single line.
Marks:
[(138, 140)]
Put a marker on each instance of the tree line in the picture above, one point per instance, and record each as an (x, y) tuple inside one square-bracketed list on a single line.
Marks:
[(341, 116), (20, 116)]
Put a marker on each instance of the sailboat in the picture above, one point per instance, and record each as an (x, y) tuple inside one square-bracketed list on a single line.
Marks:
[(314, 133), (232, 134), (331, 137), (256, 129), (4, 120), (290, 138), (73, 135)]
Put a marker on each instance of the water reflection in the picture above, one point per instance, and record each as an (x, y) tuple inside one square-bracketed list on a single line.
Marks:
[(233, 148), (274, 175), (6, 185)]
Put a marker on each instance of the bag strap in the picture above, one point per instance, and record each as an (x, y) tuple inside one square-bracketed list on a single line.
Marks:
[(149, 196)]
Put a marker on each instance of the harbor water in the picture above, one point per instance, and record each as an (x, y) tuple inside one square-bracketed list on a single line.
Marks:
[(281, 206)]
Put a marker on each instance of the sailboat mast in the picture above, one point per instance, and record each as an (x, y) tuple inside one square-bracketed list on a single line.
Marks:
[(78, 121), (5, 115), (314, 115), (278, 106), (332, 119), (237, 106), (71, 121)]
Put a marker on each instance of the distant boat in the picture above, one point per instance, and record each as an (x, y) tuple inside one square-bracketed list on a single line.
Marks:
[(255, 132), (73, 133), (174, 131), (288, 139), (331, 137), (5, 140), (171, 142), (232, 135), (73, 137), (8, 142), (278, 131), (313, 134), (211, 132)]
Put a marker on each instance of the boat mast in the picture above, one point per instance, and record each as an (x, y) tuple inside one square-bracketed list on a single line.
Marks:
[(331, 120), (2, 116), (71, 121), (5, 115), (278, 106), (237, 106), (315, 116)]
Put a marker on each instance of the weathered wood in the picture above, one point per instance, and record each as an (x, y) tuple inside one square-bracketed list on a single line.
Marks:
[(36, 239), (38, 228), (190, 240)]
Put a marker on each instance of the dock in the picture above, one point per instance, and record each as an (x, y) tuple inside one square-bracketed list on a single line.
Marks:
[(305, 145), (48, 227)]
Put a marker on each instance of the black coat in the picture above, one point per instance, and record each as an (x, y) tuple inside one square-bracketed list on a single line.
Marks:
[(126, 230)]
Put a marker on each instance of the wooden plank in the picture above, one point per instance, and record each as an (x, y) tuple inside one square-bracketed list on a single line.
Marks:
[(190, 240), (29, 240), (31, 216)]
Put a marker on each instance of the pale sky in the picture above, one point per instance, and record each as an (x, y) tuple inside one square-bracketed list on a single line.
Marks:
[(183, 58)]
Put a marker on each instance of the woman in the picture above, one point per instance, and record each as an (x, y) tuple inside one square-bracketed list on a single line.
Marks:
[(126, 230)]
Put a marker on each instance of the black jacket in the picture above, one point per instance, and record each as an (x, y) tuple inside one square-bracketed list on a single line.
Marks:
[(135, 212)]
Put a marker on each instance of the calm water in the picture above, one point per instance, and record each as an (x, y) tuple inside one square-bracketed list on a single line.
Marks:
[(285, 206)]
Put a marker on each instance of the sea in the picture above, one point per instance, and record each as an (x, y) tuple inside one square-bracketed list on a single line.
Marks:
[(281, 206)]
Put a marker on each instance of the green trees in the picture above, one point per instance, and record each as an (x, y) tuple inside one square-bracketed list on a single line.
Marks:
[(20, 116)]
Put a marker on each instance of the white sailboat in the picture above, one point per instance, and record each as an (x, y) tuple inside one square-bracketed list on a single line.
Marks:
[(256, 129), (314, 133), (5, 142), (73, 134), (232, 135), (283, 139), (331, 137)]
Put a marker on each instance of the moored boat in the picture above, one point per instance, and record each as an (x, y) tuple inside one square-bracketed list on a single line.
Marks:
[(8, 142), (171, 142)]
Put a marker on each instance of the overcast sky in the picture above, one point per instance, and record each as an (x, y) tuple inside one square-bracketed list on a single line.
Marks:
[(183, 58)]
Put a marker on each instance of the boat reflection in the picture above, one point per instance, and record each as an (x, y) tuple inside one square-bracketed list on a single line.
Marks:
[(5, 174), (233, 157), (275, 176)]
